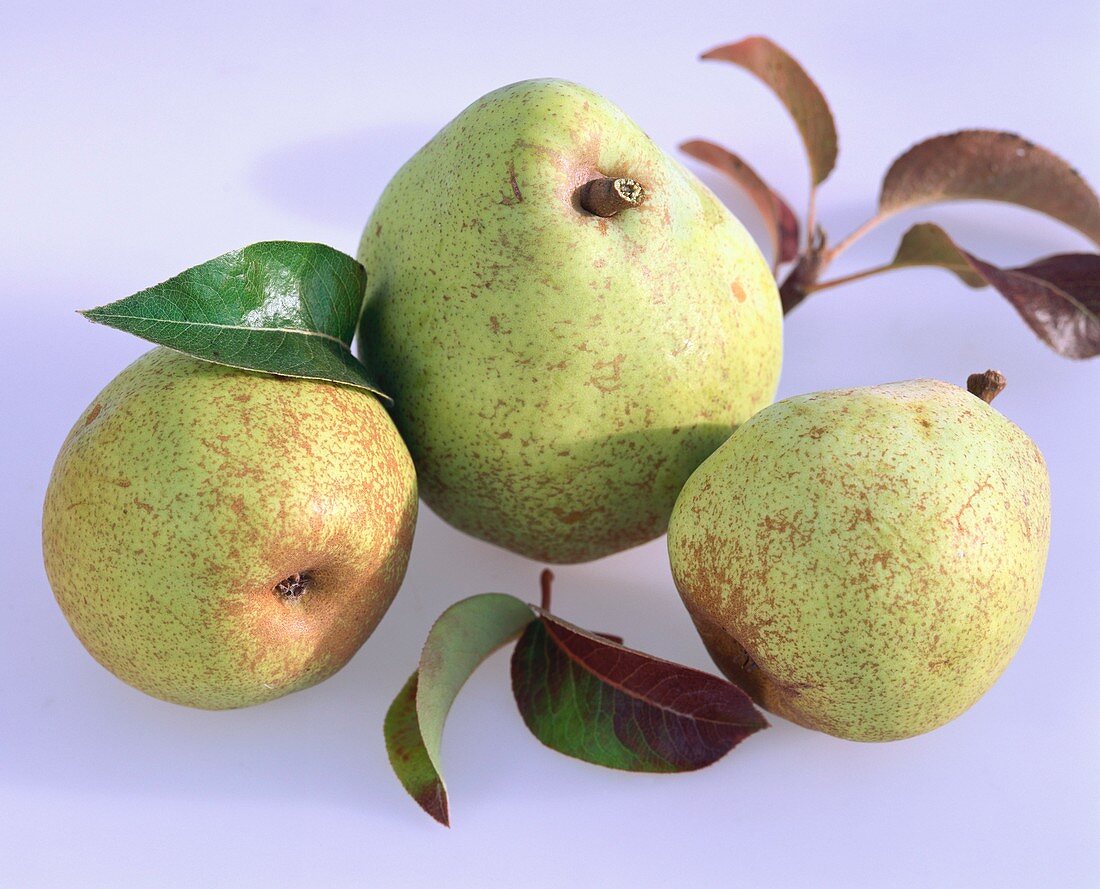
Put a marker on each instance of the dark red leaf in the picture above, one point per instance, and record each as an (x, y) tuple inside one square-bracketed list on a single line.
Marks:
[(1058, 297), (778, 217), (801, 96), (587, 697)]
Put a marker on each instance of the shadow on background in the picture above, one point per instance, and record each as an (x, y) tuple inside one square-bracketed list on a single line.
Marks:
[(325, 743), (337, 179)]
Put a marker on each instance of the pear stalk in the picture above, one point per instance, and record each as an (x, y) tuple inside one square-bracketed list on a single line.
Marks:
[(546, 581), (607, 197), (986, 386)]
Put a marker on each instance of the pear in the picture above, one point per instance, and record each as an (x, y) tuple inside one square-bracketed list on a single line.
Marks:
[(866, 561), (568, 322), (219, 538)]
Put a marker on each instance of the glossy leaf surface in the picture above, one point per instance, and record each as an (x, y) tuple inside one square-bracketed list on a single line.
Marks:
[(279, 307)]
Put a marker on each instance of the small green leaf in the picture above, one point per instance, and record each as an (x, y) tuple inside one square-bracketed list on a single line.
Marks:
[(465, 634), (279, 307), (796, 90), (586, 696)]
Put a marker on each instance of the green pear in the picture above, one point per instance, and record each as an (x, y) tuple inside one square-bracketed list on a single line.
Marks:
[(568, 322), (219, 538), (866, 561)]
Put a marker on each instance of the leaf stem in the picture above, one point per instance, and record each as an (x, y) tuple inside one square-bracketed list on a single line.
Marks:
[(546, 580), (847, 279), (811, 217), (844, 243)]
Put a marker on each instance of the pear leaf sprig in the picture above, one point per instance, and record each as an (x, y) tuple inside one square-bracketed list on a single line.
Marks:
[(1057, 296), (582, 694), (279, 307)]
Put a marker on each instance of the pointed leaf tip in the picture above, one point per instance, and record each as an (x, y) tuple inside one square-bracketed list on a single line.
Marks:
[(591, 698), (803, 99), (409, 756), (1058, 297), (279, 307)]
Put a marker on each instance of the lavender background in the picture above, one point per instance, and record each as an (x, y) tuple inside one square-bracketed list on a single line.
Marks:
[(140, 139)]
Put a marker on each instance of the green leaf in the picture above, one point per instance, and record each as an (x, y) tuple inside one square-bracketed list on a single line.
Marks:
[(279, 307), (587, 697), (465, 634)]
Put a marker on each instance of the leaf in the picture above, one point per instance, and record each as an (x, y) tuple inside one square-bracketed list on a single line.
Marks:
[(587, 697), (1058, 297), (279, 307), (929, 245), (465, 634), (780, 220), (801, 96), (993, 166)]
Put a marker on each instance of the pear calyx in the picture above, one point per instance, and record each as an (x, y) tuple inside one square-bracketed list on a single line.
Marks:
[(291, 589), (986, 386), (607, 196)]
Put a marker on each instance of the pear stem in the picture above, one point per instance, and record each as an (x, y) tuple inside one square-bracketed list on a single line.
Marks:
[(546, 579), (606, 197), (986, 386)]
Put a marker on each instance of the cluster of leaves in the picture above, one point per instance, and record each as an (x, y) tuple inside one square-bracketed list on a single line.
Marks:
[(1057, 296), (582, 694)]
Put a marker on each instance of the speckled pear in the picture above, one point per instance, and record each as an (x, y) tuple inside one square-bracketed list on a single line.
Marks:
[(219, 538), (866, 561), (568, 322)]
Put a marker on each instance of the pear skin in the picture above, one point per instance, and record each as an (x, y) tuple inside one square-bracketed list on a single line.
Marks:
[(866, 561), (219, 538), (558, 374)]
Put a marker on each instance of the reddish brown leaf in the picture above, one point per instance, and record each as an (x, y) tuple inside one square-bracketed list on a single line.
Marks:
[(1058, 297), (587, 697), (778, 217), (801, 96), (994, 166)]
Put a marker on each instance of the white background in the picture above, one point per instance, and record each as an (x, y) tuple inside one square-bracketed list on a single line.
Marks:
[(138, 140)]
